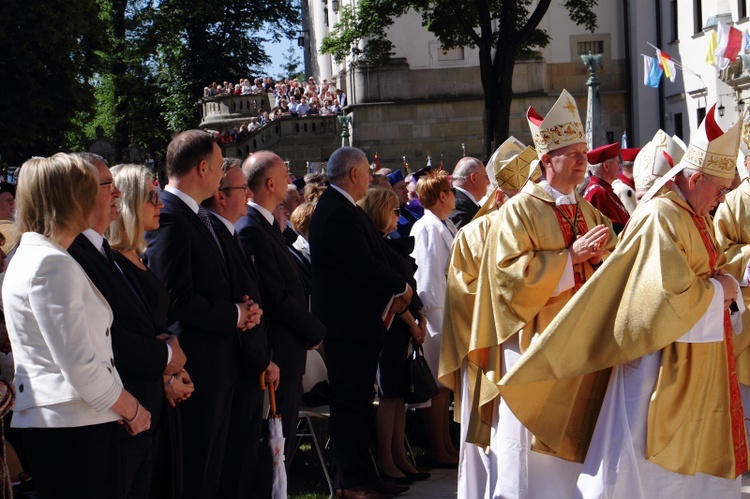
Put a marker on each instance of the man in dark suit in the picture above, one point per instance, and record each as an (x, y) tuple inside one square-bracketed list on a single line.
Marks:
[(292, 328), (227, 206), (141, 359), (470, 180), (406, 218), (207, 312), (353, 284)]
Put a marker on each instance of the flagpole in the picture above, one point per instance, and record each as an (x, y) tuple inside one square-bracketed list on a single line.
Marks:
[(677, 63)]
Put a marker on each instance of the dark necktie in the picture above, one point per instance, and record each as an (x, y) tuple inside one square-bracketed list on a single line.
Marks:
[(276, 225), (203, 215)]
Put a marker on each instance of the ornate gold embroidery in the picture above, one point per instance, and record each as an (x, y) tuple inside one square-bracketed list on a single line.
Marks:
[(559, 134), (571, 107)]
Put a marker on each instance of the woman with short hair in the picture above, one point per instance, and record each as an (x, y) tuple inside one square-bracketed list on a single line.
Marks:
[(70, 396)]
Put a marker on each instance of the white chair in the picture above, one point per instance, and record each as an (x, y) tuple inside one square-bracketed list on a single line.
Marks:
[(315, 372)]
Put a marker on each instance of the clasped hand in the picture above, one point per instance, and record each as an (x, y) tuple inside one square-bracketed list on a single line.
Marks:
[(590, 246), (250, 313)]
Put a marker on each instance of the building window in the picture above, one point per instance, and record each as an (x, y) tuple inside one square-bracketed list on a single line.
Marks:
[(673, 20), (450, 55), (678, 123), (593, 46), (697, 16), (742, 8)]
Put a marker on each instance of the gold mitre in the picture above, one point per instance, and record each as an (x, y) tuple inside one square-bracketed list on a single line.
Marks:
[(513, 173), (561, 127), (507, 150), (655, 159), (712, 150)]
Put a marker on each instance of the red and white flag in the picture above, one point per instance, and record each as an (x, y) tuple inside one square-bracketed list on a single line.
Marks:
[(728, 46)]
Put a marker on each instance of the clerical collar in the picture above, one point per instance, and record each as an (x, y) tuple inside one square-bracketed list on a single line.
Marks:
[(559, 197), (468, 194), (229, 225), (345, 194), (266, 214), (185, 198), (96, 239)]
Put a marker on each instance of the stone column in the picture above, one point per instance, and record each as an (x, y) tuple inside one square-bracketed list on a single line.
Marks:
[(595, 133)]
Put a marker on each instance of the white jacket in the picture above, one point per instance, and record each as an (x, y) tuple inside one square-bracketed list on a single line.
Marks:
[(58, 324), (432, 249)]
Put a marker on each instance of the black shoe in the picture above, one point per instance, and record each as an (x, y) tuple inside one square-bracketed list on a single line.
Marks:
[(419, 476), (384, 487), (398, 480), (439, 464)]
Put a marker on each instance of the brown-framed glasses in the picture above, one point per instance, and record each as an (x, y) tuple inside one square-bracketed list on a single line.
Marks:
[(243, 187), (153, 198)]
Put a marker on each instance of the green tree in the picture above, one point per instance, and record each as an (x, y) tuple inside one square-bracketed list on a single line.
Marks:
[(501, 30), (292, 66), (49, 51)]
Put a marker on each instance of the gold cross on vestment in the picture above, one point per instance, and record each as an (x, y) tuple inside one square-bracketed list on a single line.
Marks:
[(571, 107)]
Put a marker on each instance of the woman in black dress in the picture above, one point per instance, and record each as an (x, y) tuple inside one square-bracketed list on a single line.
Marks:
[(381, 205), (139, 211)]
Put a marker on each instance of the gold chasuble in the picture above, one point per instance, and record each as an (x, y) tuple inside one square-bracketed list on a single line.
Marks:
[(732, 224), (524, 259), (652, 289)]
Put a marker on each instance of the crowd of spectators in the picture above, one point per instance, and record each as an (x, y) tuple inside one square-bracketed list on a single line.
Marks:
[(290, 96)]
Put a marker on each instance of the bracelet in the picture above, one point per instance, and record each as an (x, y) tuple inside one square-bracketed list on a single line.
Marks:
[(403, 311), (137, 412), (171, 380)]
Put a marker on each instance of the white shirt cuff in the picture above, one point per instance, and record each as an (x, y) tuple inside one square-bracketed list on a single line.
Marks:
[(567, 280), (169, 354), (710, 327), (239, 313)]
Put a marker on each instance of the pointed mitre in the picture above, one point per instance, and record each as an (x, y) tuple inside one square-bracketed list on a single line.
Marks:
[(655, 159), (712, 150), (561, 127), (745, 136), (508, 167), (512, 175)]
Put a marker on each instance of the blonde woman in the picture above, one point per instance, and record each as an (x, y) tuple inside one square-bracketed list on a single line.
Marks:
[(139, 211), (70, 396), (381, 205)]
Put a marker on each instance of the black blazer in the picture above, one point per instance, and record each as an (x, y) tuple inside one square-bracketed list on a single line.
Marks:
[(352, 278), (245, 280), (139, 357), (292, 328), (465, 210), (184, 255)]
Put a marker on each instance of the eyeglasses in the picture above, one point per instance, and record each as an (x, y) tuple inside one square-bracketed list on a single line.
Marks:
[(721, 191), (108, 183), (153, 198), (243, 187)]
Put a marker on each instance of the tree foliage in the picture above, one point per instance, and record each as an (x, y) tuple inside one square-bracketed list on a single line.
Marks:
[(135, 67), (502, 31), (49, 50)]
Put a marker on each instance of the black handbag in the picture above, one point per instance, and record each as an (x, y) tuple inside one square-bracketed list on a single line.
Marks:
[(419, 384)]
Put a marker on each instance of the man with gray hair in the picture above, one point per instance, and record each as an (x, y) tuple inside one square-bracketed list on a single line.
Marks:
[(470, 180), (353, 285), (604, 165)]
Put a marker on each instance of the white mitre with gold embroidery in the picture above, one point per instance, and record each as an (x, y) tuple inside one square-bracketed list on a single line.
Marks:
[(655, 159), (561, 127), (744, 147), (711, 151), (507, 150)]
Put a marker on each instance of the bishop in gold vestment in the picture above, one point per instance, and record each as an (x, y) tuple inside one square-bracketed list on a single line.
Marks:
[(671, 421)]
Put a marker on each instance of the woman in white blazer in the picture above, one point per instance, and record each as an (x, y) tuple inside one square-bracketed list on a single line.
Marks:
[(70, 397), (433, 235)]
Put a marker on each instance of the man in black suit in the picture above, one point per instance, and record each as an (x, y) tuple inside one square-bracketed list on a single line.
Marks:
[(470, 181), (207, 312), (292, 328), (353, 284), (406, 218), (141, 359), (227, 206)]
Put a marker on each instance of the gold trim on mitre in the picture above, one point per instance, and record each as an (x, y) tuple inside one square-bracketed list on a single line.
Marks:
[(513, 173), (717, 156), (507, 150), (561, 127), (651, 162)]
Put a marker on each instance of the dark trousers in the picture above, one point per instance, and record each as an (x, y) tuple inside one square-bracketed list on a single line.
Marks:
[(77, 463), (242, 474), (351, 373), (205, 427), (287, 405), (136, 463)]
